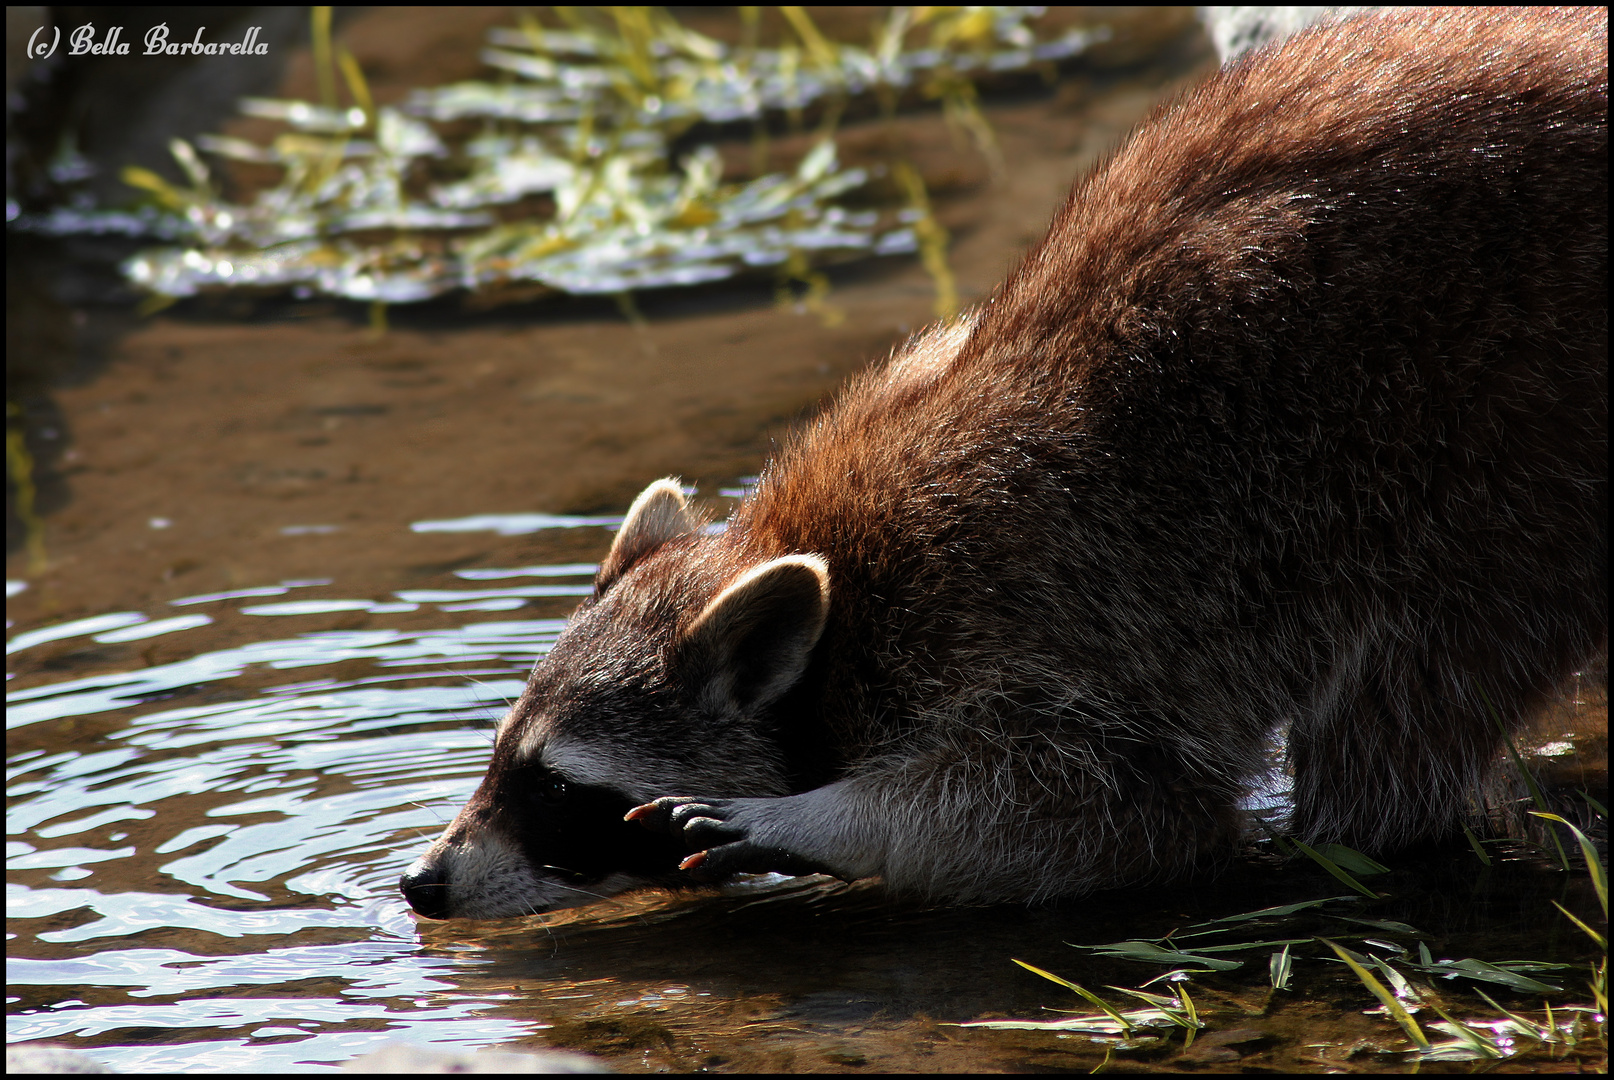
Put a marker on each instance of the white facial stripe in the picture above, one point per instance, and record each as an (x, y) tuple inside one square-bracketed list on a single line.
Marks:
[(577, 761), (598, 766)]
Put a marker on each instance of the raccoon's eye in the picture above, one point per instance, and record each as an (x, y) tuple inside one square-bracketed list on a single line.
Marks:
[(536, 786), (548, 789)]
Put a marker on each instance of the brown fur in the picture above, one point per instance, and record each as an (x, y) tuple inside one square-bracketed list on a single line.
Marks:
[(1296, 419)]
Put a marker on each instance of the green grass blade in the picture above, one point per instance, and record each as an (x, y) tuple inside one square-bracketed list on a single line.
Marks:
[(1147, 952), (1066, 983), (817, 46), (1602, 942), (1281, 968), (324, 71), (1170, 976), (933, 240), (166, 194), (1515, 1017), (356, 84), (1188, 1003), (1334, 869), (1398, 981), (1476, 1041), (1245, 945), (1171, 1008), (1473, 842), (1272, 912), (1159, 1001), (1098, 1002), (1192, 1027), (1353, 860), (1378, 924), (1391, 1005), (1594, 865), (1471, 968)]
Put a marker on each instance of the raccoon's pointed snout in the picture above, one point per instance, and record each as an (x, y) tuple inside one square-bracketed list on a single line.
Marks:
[(425, 889)]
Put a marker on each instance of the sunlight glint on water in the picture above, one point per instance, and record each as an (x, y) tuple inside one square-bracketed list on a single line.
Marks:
[(184, 835)]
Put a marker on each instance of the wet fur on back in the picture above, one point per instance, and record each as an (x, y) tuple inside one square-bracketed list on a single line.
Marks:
[(1296, 420)]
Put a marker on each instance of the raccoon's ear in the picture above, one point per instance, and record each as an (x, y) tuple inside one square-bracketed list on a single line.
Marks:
[(658, 515), (755, 638)]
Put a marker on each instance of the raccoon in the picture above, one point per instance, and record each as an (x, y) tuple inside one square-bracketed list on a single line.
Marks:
[(1295, 425)]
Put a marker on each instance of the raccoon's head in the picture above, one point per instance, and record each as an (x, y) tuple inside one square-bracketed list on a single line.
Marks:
[(654, 688)]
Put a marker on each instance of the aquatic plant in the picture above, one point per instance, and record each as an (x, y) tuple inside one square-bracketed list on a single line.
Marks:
[(1112, 1027), (20, 468), (1387, 969), (566, 181)]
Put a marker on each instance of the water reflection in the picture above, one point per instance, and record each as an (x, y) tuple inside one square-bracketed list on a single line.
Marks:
[(236, 821)]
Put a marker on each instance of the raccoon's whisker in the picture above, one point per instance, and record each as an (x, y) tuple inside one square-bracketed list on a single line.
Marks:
[(435, 810), (574, 888), (508, 701), (476, 681)]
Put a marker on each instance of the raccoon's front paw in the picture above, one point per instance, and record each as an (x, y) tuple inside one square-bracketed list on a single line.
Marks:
[(728, 836)]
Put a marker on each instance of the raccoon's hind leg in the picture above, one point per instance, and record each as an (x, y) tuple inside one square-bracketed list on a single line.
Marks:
[(1396, 746), (1396, 753)]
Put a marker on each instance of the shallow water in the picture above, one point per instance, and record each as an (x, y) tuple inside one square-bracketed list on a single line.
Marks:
[(203, 858)]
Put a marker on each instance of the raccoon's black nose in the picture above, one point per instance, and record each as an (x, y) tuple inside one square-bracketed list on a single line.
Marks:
[(426, 889)]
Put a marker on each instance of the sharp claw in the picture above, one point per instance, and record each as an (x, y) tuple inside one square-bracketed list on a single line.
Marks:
[(693, 861), (639, 812)]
